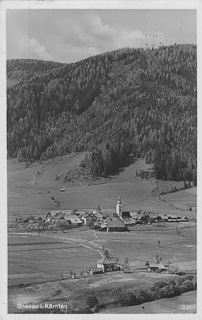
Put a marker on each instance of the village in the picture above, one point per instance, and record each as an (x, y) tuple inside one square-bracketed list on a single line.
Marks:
[(98, 219), (108, 220)]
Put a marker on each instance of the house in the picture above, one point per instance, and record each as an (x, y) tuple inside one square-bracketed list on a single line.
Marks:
[(127, 219), (172, 218), (107, 264), (55, 216), (64, 216), (74, 220), (56, 213), (96, 215), (155, 266), (96, 271), (86, 217), (116, 225), (126, 215)]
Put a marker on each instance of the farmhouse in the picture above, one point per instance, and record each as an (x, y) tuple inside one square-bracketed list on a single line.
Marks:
[(63, 216), (155, 266), (107, 264), (56, 213), (96, 215), (86, 217), (116, 225)]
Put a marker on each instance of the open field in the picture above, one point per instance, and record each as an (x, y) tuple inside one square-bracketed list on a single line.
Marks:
[(37, 259), (30, 190), (50, 254), (31, 259), (40, 260), (182, 199)]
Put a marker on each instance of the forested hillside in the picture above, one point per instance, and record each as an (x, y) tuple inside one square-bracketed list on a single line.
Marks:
[(22, 69), (127, 101)]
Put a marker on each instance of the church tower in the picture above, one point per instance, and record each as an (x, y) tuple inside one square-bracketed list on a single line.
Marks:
[(119, 207)]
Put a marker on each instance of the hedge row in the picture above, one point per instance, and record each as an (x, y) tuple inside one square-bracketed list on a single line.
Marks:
[(159, 290)]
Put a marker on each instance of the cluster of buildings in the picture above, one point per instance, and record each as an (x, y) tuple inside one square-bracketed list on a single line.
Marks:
[(108, 219), (101, 219), (104, 220)]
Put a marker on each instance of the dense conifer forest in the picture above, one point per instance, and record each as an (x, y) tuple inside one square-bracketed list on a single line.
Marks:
[(127, 101)]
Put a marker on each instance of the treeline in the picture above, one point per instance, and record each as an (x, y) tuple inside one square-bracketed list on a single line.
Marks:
[(23, 69), (126, 101)]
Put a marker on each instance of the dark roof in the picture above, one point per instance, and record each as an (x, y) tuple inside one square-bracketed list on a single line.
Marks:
[(115, 223), (125, 214), (74, 219), (58, 215), (106, 260), (97, 270), (159, 264), (85, 215), (173, 216)]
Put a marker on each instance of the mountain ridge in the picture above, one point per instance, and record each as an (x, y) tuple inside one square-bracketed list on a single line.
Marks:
[(124, 101)]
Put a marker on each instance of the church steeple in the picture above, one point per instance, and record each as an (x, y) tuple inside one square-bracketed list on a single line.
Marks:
[(119, 207)]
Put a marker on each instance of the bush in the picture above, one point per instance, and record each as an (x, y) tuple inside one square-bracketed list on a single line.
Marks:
[(182, 289), (91, 301), (151, 295), (188, 285), (160, 284), (163, 292), (177, 291), (171, 282), (188, 277), (128, 299), (179, 281), (115, 296), (141, 296)]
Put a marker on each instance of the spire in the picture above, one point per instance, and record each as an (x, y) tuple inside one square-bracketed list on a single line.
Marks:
[(119, 207), (119, 200)]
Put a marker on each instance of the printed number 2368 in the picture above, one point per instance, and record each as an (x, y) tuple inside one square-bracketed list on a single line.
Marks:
[(188, 306)]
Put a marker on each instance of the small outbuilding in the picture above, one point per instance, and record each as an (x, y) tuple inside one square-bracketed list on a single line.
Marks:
[(96, 271)]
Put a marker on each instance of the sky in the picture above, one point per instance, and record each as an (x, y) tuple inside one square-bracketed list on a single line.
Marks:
[(71, 35)]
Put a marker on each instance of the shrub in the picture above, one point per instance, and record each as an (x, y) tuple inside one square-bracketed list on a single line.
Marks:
[(163, 292), (171, 291), (171, 282), (188, 285), (128, 299), (177, 291), (188, 277), (151, 295), (141, 296), (91, 301), (160, 284), (179, 281), (182, 289)]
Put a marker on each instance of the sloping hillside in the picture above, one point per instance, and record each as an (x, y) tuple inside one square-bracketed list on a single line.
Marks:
[(130, 100), (31, 190), (23, 70)]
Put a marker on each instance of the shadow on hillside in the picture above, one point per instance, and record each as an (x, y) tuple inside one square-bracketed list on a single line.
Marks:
[(129, 161)]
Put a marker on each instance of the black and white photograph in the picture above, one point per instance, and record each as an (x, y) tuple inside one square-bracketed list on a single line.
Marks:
[(101, 159)]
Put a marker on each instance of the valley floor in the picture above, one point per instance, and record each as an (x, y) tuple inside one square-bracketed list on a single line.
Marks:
[(37, 260)]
